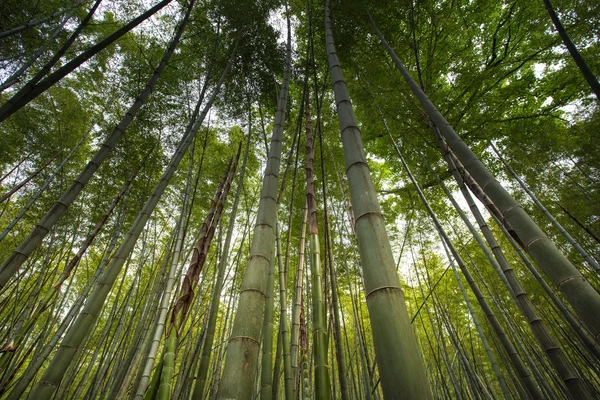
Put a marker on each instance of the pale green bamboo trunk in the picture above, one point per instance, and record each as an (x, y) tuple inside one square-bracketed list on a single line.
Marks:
[(266, 377), (319, 317), (242, 351), (400, 362), (578, 292), (283, 321), (294, 344)]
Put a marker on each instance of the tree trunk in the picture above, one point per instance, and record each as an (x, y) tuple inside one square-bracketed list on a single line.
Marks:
[(244, 345)]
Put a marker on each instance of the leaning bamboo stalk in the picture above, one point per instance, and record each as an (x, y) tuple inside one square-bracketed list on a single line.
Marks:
[(47, 67), (592, 263), (18, 186), (78, 331), (581, 224), (47, 183), (34, 366), (576, 289), (14, 262), (32, 23), (23, 97)]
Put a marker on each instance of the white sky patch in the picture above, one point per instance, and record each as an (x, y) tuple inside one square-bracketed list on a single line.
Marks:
[(278, 21)]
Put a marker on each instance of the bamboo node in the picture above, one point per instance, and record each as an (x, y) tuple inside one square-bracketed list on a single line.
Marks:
[(367, 213), (382, 288), (508, 209), (492, 179), (253, 290), (535, 239), (244, 338), (357, 163), (570, 278)]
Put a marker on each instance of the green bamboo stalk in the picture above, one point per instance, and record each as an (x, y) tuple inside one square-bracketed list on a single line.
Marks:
[(155, 382), (32, 23), (319, 318), (283, 321), (581, 224), (398, 356), (243, 348), (584, 68), (592, 263), (80, 328), (23, 97), (216, 295), (164, 302), (15, 261), (339, 353), (296, 310), (578, 292), (266, 380)]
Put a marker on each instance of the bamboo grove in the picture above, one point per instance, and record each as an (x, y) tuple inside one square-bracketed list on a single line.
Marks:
[(299, 199)]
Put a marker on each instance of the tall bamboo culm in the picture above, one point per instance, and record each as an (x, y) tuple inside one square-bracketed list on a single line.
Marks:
[(400, 362), (319, 320), (584, 299), (242, 351)]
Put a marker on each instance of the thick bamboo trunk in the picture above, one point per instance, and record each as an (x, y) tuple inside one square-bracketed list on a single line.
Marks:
[(398, 356), (242, 351), (576, 289)]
